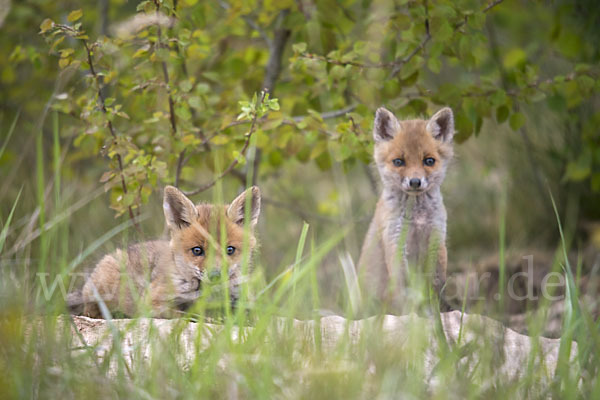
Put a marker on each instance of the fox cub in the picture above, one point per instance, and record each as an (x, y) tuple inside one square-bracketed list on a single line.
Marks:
[(169, 275), (410, 219)]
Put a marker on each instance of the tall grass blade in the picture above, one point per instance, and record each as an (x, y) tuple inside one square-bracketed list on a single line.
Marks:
[(572, 319), (4, 232), (300, 250), (9, 134), (351, 279)]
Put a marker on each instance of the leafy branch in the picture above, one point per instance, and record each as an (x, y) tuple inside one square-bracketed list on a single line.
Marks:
[(251, 111), (102, 101), (52, 28), (395, 65), (172, 118)]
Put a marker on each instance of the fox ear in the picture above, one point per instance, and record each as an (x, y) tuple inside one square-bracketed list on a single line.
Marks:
[(385, 126), (179, 210), (441, 125), (237, 209)]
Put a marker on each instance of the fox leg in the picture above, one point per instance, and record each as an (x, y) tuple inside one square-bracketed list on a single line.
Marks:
[(442, 263), (104, 281), (163, 299), (92, 310), (439, 280)]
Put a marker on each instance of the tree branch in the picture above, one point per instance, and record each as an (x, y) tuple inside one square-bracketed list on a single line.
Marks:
[(273, 69), (172, 118), (236, 161), (396, 65), (110, 126), (276, 47), (248, 19), (417, 49), (305, 215), (330, 114), (293, 121)]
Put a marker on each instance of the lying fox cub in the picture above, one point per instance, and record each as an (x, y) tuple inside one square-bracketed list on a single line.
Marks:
[(410, 219), (168, 275)]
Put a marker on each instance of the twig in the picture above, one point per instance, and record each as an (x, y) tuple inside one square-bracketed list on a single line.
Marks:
[(305, 215), (355, 128), (509, 92), (172, 118), (326, 115), (532, 85), (486, 9), (330, 114), (276, 47), (417, 49), (272, 71), (235, 162), (328, 60), (492, 5), (396, 65), (104, 11), (248, 19), (110, 127)]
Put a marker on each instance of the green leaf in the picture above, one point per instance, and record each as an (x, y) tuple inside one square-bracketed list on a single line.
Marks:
[(75, 15), (46, 25), (434, 64), (276, 158), (195, 102), (273, 104), (183, 112), (141, 6), (476, 20), (580, 168), (162, 54), (464, 127), (442, 31), (272, 124), (498, 97), (502, 114), (514, 58), (299, 47), (186, 85), (585, 82), (517, 120)]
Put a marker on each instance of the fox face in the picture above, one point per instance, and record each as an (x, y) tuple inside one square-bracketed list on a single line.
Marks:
[(412, 155), (205, 237)]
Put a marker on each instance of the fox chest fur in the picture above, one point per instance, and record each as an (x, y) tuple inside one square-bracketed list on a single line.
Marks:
[(410, 225)]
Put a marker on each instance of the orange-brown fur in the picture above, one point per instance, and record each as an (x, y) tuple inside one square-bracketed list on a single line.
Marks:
[(407, 219), (166, 275)]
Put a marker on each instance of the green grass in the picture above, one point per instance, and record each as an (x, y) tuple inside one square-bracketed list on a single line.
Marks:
[(268, 360), (257, 351)]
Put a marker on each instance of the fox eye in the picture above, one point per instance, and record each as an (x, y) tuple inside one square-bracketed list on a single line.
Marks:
[(398, 162), (197, 251), (429, 161), (230, 250)]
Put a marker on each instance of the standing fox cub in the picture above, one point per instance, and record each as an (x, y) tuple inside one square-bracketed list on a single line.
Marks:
[(168, 275), (410, 219)]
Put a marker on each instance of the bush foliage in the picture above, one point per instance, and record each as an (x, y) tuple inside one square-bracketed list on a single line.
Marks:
[(159, 94)]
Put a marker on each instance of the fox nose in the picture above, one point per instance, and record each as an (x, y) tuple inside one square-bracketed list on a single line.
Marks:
[(415, 183), (214, 275)]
